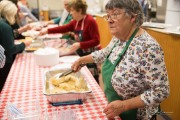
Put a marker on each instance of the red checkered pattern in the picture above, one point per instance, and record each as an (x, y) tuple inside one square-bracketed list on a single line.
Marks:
[(25, 82), (55, 43)]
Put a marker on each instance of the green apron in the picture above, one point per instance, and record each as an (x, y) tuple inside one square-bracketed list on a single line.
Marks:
[(107, 72)]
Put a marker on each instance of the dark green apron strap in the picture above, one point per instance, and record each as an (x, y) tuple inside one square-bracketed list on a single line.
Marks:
[(130, 114), (107, 71)]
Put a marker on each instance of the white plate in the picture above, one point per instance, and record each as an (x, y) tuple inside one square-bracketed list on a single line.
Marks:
[(68, 59), (51, 36), (31, 33), (61, 66)]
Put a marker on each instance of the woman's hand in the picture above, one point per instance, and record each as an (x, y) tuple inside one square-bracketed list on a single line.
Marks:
[(28, 27), (114, 109), (82, 61), (37, 28), (76, 66), (46, 23), (24, 28), (27, 42), (43, 32), (75, 47)]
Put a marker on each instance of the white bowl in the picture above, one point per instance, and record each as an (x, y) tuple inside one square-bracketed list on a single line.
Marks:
[(46, 56)]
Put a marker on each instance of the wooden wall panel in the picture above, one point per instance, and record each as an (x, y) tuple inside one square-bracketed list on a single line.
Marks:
[(105, 35)]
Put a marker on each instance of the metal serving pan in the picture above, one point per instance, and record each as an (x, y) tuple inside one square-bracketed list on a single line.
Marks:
[(64, 96)]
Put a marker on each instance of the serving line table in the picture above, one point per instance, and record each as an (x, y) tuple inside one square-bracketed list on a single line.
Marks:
[(25, 82)]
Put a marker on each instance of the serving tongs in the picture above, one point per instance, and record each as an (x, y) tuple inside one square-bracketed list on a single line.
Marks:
[(67, 72), (61, 45), (59, 75)]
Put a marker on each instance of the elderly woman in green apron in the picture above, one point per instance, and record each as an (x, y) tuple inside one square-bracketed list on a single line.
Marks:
[(134, 72), (85, 32)]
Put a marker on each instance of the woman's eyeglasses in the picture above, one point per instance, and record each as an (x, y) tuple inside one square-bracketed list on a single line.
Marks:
[(113, 17)]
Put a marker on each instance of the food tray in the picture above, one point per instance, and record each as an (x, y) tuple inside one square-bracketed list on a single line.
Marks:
[(35, 45), (64, 96)]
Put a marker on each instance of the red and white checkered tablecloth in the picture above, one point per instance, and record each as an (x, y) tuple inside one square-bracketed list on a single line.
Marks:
[(25, 82)]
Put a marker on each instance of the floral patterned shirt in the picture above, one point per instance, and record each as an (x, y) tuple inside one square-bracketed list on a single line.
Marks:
[(141, 72)]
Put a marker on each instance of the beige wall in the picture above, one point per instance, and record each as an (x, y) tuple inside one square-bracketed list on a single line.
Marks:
[(56, 4), (51, 4)]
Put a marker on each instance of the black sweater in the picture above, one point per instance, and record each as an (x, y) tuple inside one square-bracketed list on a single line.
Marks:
[(7, 41)]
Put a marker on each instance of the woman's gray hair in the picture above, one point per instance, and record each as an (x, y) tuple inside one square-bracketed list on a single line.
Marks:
[(8, 10), (131, 7)]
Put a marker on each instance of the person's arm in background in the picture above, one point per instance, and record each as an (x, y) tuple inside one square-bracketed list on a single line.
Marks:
[(60, 29), (63, 29), (29, 14), (53, 21), (2, 57), (24, 28), (18, 30), (56, 20)]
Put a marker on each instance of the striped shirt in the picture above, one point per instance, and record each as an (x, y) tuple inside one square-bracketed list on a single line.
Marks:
[(2, 57)]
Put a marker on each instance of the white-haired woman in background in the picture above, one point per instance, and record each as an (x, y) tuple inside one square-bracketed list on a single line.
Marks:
[(8, 11)]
